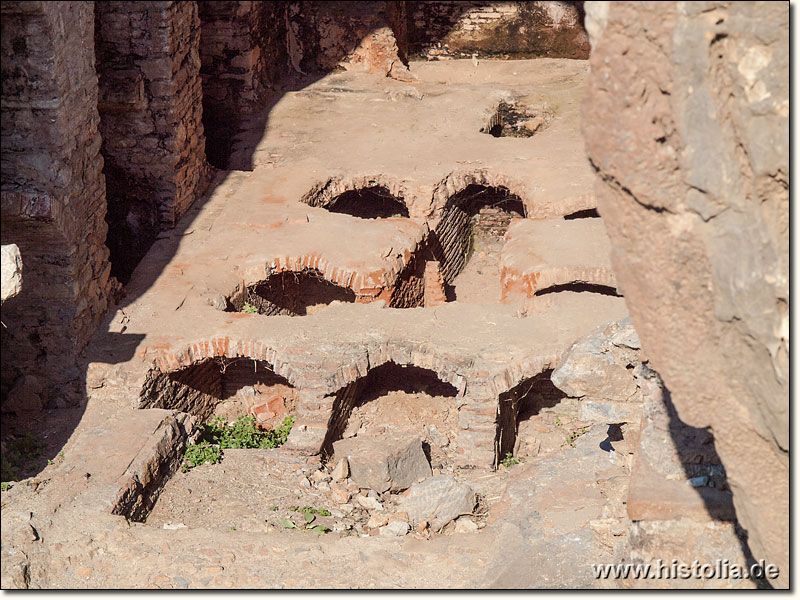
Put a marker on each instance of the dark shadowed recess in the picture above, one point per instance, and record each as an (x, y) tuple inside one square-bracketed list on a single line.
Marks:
[(580, 286), (369, 203), (379, 381)]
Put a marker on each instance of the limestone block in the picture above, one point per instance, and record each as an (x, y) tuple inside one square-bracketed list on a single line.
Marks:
[(438, 500), (383, 463), (599, 411)]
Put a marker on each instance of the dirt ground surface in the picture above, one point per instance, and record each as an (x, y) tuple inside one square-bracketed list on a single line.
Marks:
[(539, 523)]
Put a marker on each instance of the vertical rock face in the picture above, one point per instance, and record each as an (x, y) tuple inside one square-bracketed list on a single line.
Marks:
[(686, 120), (53, 192)]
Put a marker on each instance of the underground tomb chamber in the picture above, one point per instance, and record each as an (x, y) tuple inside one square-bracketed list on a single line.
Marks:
[(373, 202), (293, 293), (513, 119), (474, 222), (223, 387), (392, 397), (516, 409)]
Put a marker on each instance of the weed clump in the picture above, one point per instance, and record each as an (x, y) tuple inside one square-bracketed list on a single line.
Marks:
[(218, 435), (510, 460)]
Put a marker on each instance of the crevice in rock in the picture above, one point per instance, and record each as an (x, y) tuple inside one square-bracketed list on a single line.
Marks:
[(589, 213)]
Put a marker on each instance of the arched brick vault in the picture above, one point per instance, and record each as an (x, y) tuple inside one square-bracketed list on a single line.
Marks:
[(324, 193), (529, 284), (318, 379), (536, 207), (367, 286), (458, 181)]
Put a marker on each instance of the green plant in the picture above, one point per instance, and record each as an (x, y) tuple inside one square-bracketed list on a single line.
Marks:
[(322, 512), (574, 435), (510, 460), (249, 308), (558, 421), (309, 516), (5, 486), (218, 435), (198, 454)]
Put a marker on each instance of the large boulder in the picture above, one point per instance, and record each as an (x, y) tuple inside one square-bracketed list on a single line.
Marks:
[(388, 462)]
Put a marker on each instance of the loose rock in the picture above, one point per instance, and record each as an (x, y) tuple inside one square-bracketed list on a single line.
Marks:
[(369, 503), (341, 471), (390, 462), (394, 529), (438, 500)]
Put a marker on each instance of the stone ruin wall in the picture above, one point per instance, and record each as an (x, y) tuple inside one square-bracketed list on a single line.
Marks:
[(243, 49), (701, 247), (53, 197), (695, 200), (148, 63), (521, 29)]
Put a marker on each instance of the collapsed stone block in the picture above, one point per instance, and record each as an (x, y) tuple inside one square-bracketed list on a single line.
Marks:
[(390, 462), (596, 411), (596, 365), (438, 500)]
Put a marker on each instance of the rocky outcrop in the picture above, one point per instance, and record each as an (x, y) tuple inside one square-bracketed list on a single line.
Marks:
[(686, 122)]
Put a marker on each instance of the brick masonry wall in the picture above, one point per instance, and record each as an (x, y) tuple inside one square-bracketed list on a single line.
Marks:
[(323, 35), (244, 56), (241, 373), (527, 29), (148, 64), (409, 288), (195, 390), (453, 236), (53, 193), (434, 293)]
